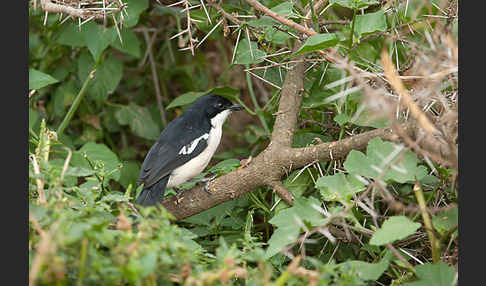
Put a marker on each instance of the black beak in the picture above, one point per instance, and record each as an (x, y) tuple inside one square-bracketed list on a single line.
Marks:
[(236, 107)]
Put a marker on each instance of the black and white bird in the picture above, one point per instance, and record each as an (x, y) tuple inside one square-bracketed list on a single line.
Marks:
[(184, 147)]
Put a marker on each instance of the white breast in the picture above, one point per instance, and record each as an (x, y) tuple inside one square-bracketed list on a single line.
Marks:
[(196, 165)]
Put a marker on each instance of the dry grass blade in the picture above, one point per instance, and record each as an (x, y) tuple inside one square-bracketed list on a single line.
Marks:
[(392, 76)]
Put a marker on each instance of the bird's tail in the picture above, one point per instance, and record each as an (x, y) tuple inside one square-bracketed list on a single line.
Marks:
[(154, 194)]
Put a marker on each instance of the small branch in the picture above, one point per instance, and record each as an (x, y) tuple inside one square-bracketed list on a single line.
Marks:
[(255, 4), (50, 7), (282, 192), (289, 106), (77, 100), (155, 78)]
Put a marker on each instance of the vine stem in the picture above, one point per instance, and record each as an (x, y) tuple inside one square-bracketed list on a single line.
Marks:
[(77, 100)]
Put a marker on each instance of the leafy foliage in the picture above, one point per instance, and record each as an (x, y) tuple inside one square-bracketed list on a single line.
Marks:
[(82, 181)]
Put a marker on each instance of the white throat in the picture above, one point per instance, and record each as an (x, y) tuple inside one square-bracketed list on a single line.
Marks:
[(220, 118)]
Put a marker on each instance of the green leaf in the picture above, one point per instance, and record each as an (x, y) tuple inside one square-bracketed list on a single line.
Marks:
[(248, 53), (339, 187), (446, 220), (63, 97), (106, 77), (368, 271), (318, 42), (139, 120), (284, 9), (70, 35), (130, 45), (186, 98), (289, 222), (379, 155), (297, 184), (129, 173), (394, 228), (189, 97), (342, 119), (225, 166), (370, 23), (96, 152), (134, 9), (439, 274), (96, 37), (354, 4), (38, 79)]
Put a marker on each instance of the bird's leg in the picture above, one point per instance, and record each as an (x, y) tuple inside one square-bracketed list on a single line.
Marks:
[(208, 180), (178, 193), (203, 180)]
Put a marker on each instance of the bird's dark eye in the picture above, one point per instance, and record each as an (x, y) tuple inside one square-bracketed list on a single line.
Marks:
[(219, 105)]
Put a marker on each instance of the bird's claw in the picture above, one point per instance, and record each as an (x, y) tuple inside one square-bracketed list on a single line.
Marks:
[(208, 180)]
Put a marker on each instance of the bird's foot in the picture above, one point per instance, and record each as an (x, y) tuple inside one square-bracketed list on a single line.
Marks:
[(178, 192), (208, 180)]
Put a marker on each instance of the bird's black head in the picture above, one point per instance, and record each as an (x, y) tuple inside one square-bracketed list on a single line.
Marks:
[(212, 105)]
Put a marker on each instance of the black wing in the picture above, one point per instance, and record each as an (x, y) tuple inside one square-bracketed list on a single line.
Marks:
[(166, 155)]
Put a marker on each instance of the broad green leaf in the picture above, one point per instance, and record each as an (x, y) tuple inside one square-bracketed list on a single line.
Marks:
[(297, 182), (274, 75), (98, 38), (318, 42), (248, 53), (446, 220), (186, 98), (139, 120), (281, 237), (106, 77), (38, 79), (284, 9), (189, 97), (134, 9), (370, 23), (96, 152), (342, 118), (225, 166), (71, 35), (339, 187), (94, 36), (306, 211), (379, 156), (63, 97), (129, 173), (394, 228), (225, 91), (130, 45), (368, 271), (354, 4), (439, 274), (270, 32)]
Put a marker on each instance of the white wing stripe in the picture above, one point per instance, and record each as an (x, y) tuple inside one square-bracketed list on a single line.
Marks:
[(187, 149)]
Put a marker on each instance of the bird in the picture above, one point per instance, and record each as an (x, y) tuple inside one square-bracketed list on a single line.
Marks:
[(184, 148)]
